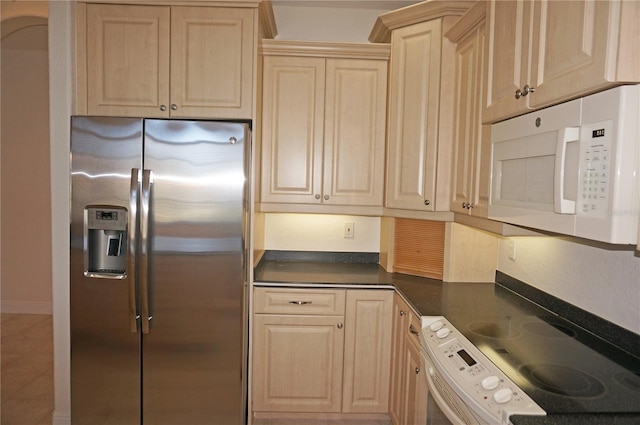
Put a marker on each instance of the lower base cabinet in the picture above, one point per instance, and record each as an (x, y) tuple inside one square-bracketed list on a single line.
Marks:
[(321, 350), (408, 384)]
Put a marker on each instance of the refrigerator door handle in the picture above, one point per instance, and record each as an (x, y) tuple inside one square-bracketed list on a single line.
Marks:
[(147, 180), (133, 212)]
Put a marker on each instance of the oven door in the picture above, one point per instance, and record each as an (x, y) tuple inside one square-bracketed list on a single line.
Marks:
[(444, 407)]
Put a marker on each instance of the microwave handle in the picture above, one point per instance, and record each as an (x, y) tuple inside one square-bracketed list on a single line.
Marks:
[(560, 203)]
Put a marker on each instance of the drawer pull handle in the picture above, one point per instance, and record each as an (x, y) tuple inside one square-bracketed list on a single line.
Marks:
[(413, 330), (300, 302)]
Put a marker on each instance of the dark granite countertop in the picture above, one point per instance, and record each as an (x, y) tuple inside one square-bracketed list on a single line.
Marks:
[(428, 297)]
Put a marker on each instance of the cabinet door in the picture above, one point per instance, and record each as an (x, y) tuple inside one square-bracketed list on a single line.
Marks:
[(127, 60), (354, 135), (472, 146), (414, 96), (367, 351), (292, 134), (416, 388), (507, 56), (567, 63), (401, 315), (212, 60), (297, 365)]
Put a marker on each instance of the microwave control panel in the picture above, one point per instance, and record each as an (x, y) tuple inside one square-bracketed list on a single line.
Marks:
[(595, 168)]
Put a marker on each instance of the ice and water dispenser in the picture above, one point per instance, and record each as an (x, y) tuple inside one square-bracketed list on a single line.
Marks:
[(105, 241)]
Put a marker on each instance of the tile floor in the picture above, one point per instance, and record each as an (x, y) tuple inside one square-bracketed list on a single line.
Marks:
[(26, 375)]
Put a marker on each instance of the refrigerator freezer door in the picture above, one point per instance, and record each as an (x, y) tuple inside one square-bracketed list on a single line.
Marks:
[(194, 355), (105, 353)]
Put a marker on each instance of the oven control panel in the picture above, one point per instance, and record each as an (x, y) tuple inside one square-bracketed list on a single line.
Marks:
[(479, 383)]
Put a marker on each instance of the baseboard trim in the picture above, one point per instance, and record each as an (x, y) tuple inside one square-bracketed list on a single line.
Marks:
[(26, 307), (60, 419)]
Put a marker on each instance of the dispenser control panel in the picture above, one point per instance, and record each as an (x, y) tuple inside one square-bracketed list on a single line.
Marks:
[(106, 241)]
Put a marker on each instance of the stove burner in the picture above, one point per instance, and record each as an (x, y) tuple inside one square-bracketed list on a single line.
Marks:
[(494, 330), (548, 329), (562, 380), (629, 379)]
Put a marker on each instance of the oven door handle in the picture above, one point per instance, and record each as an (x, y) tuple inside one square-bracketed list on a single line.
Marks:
[(440, 401)]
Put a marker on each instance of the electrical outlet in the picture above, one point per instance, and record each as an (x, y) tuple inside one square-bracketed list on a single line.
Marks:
[(348, 230), (512, 249)]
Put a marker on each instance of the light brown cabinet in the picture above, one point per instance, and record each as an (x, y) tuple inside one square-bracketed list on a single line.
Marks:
[(323, 127), (471, 165), (166, 61), (534, 61), (321, 351), (414, 96), (408, 384)]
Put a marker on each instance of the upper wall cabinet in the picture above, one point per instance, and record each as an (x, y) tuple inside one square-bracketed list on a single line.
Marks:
[(166, 61), (420, 135), (323, 127), (472, 144), (414, 97), (546, 52)]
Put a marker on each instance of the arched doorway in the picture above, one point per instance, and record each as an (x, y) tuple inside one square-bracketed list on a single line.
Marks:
[(25, 178)]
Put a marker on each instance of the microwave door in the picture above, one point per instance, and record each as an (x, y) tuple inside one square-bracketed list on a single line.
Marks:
[(534, 175)]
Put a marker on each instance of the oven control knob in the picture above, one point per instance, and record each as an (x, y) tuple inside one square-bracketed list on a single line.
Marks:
[(443, 333), (502, 396), (435, 326), (490, 382)]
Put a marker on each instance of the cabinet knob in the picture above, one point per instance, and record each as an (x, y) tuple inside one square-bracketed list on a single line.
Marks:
[(469, 206), (163, 108), (427, 202), (340, 326), (464, 205), (174, 107), (402, 312), (317, 196), (526, 90), (417, 370), (326, 197)]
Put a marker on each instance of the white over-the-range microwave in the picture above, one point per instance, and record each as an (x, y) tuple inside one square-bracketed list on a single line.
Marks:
[(572, 168)]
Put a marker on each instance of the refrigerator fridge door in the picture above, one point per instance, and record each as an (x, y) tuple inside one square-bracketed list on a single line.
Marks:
[(105, 353), (158, 273), (193, 356)]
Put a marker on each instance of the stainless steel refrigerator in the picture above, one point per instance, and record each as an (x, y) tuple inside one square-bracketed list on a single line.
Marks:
[(159, 227)]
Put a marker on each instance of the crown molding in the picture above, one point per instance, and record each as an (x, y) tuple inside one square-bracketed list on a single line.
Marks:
[(267, 20), (468, 23), (419, 12), (324, 49)]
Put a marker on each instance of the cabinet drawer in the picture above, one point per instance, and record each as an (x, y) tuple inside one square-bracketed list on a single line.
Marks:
[(299, 301)]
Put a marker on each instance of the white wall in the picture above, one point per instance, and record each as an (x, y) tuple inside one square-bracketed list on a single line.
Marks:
[(26, 200), (599, 278), (348, 21), (61, 74), (315, 232)]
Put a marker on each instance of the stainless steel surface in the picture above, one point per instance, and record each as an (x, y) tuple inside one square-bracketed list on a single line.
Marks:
[(103, 349), (193, 354), (143, 277), (134, 190), (188, 364)]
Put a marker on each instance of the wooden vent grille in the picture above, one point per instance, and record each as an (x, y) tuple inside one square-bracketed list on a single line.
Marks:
[(419, 247)]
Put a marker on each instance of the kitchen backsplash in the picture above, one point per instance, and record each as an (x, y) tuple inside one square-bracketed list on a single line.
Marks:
[(599, 278)]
